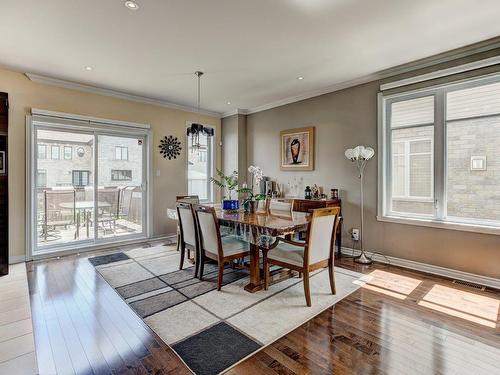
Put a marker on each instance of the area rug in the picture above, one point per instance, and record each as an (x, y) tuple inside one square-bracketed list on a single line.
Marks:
[(211, 331)]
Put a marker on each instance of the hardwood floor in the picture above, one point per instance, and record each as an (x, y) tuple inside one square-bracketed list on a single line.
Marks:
[(400, 322)]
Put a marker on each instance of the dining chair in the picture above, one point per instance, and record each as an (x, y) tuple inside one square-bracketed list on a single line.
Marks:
[(315, 253), (263, 206), (278, 207), (213, 246), (188, 234), (193, 199)]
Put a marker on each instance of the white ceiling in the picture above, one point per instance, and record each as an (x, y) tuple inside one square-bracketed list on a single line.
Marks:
[(252, 51)]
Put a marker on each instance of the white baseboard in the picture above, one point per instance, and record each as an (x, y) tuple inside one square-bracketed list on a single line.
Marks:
[(13, 259), (489, 282)]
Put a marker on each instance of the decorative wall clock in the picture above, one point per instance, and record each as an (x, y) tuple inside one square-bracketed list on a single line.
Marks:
[(170, 147)]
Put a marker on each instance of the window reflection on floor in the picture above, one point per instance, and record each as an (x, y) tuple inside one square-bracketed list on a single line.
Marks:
[(461, 304), (388, 283)]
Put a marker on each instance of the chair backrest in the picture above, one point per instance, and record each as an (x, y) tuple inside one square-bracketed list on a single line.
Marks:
[(280, 207), (263, 206), (193, 199), (321, 234), (208, 229), (59, 205), (125, 200), (110, 196), (187, 223)]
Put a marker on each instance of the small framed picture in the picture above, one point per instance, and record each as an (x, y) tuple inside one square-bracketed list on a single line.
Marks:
[(297, 149), (2, 162)]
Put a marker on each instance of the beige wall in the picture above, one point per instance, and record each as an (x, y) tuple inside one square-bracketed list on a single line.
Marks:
[(24, 95), (342, 120)]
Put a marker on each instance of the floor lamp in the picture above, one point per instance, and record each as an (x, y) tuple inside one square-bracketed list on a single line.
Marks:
[(360, 156)]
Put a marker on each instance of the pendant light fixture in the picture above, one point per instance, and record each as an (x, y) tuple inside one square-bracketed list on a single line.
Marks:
[(196, 129)]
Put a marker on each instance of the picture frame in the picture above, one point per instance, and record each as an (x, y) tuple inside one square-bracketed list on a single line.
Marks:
[(2, 163), (297, 149)]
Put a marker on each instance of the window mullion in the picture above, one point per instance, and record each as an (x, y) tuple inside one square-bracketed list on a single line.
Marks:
[(439, 156)]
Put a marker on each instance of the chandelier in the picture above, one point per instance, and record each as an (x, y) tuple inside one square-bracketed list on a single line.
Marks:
[(197, 129)]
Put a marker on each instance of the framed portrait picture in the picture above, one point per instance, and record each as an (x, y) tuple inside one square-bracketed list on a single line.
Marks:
[(297, 149), (2, 162)]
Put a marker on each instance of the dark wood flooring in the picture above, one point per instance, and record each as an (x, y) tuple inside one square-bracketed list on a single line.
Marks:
[(401, 322)]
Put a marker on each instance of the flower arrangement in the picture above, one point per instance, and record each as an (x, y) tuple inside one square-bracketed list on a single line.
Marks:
[(257, 176), (227, 183)]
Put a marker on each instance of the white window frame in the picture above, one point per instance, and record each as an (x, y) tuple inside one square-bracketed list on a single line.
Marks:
[(52, 148), (70, 148), (407, 154), (119, 150), (440, 218), (211, 157)]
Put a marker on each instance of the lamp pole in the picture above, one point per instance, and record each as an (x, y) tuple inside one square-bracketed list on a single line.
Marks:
[(363, 258)]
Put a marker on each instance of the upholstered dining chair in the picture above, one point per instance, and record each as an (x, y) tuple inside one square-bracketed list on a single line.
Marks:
[(193, 199), (213, 246), (315, 253), (188, 231), (276, 206)]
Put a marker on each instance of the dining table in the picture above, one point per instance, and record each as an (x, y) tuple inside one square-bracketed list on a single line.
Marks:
[(260, 230), (86, 207)]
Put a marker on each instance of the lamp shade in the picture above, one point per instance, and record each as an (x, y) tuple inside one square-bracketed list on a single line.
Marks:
[(359, 153)]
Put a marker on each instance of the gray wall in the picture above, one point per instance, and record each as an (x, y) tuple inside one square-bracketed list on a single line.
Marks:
[(344, 119), (234, 146)]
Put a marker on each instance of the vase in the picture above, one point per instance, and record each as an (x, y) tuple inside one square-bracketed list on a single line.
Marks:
[(230, 204), (252, 207)]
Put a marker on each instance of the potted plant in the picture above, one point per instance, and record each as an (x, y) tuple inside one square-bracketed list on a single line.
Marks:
[(250, 202), (229, 186)]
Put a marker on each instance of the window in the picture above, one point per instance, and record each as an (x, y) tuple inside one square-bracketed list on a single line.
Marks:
[(41, 178), (441, 147), (121, 175), (121, 153), (54, 152), (68, 152), (42, 151), (200, 168), (81, 178)]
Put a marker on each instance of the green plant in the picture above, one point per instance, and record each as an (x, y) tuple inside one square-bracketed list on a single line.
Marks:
[(227, 183), (250, 195)]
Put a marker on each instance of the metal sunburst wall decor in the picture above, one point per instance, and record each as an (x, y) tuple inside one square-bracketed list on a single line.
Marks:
[(170, 147)]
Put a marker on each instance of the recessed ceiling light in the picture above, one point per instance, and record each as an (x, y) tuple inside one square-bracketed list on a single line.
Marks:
[(132, 5), (88, 68), (228, 103), (300, 78)]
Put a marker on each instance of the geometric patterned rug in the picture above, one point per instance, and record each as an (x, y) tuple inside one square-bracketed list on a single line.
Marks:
[(212, 331)]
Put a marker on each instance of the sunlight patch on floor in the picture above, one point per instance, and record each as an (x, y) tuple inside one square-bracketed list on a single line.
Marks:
[(389, 283), (462, 304)]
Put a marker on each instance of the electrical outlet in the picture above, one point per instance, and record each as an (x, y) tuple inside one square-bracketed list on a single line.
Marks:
[(355, 234)]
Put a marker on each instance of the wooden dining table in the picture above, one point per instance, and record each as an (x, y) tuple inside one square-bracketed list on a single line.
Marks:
[(259, 229)]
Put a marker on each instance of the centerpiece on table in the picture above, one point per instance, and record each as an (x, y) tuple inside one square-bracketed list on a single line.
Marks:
[(229, 188), (251, 200)]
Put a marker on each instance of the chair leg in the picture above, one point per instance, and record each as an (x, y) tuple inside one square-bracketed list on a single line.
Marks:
[(266, 270), (307, 290), (178, 239), (183, 250), (331, 272), (221, 274), (196, 262), (202, 264)]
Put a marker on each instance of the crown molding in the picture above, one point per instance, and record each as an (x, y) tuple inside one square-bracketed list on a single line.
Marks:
[(238, 111), (115, 94)]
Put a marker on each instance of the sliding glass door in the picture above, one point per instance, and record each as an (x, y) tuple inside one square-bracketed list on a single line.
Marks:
[(88, 186), (64, 187), (121, 182)]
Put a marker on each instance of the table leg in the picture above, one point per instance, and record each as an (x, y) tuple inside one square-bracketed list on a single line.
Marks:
[(255, 281)]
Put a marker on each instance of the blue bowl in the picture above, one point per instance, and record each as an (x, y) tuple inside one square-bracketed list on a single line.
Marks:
[(232, 204)]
